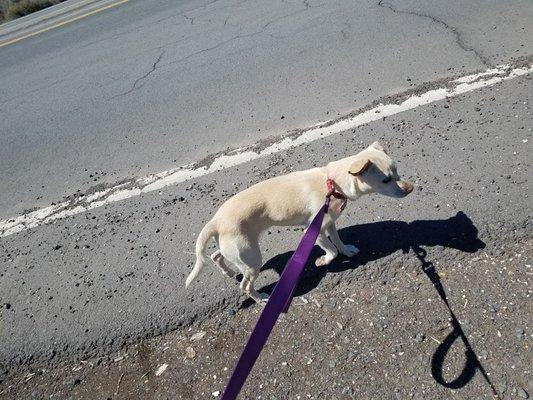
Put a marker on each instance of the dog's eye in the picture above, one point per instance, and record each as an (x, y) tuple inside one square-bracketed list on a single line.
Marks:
[(387, 179)]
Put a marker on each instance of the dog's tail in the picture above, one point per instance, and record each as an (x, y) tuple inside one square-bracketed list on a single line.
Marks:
[(206, 233)]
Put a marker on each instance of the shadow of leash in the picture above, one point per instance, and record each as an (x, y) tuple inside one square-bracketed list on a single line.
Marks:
[(472, 363)]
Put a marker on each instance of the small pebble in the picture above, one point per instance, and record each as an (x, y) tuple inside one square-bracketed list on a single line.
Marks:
[(189, 352), (198, 336), (162, 368)]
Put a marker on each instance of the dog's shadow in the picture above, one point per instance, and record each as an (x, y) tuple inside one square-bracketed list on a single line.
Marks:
[(380, 239)]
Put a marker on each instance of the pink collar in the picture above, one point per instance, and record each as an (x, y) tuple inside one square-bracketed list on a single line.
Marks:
[(330, 186)]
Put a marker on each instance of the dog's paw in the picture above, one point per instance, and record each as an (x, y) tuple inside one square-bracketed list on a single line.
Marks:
[(324, 260), (349, 250)]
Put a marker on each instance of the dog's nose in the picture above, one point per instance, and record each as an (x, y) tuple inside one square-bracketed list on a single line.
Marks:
[(407, 187)]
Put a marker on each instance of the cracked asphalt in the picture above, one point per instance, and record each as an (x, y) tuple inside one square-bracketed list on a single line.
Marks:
[(148, 86), (459, 36), (95, 281)]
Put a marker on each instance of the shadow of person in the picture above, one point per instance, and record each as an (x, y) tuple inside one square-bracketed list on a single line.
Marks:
[(380, 239)]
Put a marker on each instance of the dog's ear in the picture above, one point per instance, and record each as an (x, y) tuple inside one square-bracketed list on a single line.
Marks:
[(377, 146), (359, 166)]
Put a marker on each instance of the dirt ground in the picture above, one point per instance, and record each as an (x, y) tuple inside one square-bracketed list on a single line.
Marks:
[(391, 336)]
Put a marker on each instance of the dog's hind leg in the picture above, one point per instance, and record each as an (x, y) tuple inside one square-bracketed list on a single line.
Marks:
[(249, 289), (218, 259), (246, 255), (247, 286)]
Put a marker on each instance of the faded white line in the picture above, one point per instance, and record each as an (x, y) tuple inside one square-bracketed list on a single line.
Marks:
[(174, 176)]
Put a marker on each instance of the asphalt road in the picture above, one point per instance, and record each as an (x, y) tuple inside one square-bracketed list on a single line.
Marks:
[(147, 86)]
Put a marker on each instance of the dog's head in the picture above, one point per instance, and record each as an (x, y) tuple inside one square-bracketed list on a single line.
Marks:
[(373, 171)]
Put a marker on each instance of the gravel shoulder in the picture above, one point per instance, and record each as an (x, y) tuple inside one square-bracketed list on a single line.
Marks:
[(389, 336)]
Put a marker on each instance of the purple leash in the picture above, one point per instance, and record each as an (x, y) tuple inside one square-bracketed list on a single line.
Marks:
[(278, 302)]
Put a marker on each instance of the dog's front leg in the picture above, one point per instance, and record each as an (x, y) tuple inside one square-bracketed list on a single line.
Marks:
[(326, 245), (346, 249)]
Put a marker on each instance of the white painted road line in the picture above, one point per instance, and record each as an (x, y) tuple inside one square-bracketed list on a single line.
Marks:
[(226, 160)]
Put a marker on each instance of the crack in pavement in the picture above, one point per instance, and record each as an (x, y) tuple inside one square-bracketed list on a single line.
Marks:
[(240, 36), (191, 19), (183, 13), (146, 75), (141, 27), (458, 36)]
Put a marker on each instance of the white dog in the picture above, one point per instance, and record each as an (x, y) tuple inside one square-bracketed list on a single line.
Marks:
[(294, 199)]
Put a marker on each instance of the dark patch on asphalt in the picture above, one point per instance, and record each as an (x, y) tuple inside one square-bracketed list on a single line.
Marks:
[(126, 183)]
